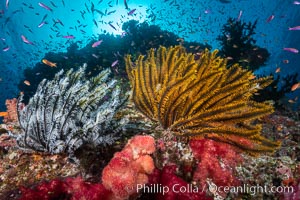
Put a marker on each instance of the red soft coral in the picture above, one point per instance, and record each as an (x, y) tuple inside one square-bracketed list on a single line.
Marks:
[(169, 186), (70, 188), (47, 190), (217, 161), (82, 190), (120, 177), (141, 145), (130, 167), (292, 192)]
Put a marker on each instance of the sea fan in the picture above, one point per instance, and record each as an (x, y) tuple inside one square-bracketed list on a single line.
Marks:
[(70, 111)]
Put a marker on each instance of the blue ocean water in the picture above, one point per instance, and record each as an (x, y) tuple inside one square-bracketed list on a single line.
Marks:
[(45, 26)]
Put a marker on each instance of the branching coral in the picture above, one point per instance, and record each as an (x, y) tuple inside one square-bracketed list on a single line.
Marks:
[(69, 111), (200, 98)]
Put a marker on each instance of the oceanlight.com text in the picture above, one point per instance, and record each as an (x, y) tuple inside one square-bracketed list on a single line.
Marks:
[(190, 188), (251, 189)]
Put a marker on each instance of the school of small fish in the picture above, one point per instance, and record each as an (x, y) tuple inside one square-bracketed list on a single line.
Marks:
[(184, 18)]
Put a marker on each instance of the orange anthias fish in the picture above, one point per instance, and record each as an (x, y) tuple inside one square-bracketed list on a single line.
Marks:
[(295, 86), (3, 114), (47, 62), (27, 82)]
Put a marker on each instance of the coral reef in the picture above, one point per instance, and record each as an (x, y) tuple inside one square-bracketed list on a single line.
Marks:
[(130, 167), (199, 98), (70, 111), (268, 171), (12, 116), (175, 151), (24, 169), (239, 46), (281, 169), (277, 89), (203, 121), (216, 162), (173, 187), (294, 195), (138, 39), (70, 188)]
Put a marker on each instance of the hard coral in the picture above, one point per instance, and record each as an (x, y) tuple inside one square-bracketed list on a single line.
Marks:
[(130, 167)]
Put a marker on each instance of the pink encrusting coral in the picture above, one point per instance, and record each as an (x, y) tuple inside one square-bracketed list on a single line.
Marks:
[(216, 161), (130, 167)]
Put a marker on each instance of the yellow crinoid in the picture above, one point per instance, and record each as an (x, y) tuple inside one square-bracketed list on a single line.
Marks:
[(200, 98)]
